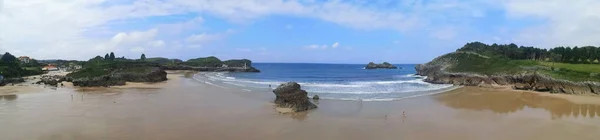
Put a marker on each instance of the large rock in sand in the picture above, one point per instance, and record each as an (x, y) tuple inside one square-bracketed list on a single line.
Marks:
[(290, 95)]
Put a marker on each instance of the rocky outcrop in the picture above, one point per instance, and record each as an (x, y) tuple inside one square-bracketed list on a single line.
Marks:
[(436, 73), (290, 95), (120, 78), (385, 65), (7, 81), (51, 80)]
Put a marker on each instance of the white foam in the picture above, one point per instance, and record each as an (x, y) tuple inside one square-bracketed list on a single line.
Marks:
[(215, 85), (359, 87), (416, 81), (235, 84)]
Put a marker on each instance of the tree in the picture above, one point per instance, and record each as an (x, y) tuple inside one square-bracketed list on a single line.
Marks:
[(112, 56), (106, 57), (143, 57), (8, 58)]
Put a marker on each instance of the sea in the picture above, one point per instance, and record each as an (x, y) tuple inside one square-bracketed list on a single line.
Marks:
[(332, 81)]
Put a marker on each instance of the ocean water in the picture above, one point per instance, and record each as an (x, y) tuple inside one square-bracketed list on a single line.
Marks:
[(333, 81)]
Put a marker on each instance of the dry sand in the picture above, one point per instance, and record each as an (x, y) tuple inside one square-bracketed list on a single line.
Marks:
[(186, 109)]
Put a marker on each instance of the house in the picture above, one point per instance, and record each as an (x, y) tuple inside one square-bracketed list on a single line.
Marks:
[(1, 78), (24, 59), (74, 66), (50, 67)]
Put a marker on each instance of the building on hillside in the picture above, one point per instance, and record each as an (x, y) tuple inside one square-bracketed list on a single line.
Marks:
[(50, 67), (24, 59), (74, 66)]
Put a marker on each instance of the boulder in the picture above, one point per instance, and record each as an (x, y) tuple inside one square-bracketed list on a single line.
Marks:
[(316, 97), (290, 95), (385, 65)]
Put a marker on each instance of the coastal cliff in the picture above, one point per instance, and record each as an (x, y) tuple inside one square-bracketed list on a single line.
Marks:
[(446, 69), (214, 64), (117, 73)]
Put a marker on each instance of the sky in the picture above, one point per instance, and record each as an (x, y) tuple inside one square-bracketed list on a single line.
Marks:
[(290, 31)]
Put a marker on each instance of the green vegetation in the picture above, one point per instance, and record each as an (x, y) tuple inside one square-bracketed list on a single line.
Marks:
[(99, 66), (561, 62), (210, 61), (238, 63), (11, 67), (163, 61)]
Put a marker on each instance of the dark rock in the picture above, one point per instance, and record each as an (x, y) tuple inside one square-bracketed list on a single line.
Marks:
[(316, 97), (385, 65), (11, 81), (120, 78), (51, 80), (290, 95)]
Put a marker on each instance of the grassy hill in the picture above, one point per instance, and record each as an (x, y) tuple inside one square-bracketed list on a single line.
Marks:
[(472, 62)]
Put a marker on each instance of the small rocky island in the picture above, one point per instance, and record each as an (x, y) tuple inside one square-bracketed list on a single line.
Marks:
[(290, 95), (384, 65)]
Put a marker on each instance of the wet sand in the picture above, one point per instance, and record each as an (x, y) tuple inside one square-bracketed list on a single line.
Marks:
[(186, 109)]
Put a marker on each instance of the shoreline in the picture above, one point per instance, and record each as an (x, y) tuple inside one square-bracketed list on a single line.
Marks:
[(27, 86), (187, 109), (176, 75)]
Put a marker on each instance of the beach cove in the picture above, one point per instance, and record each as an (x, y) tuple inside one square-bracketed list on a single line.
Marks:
[(186, 108)]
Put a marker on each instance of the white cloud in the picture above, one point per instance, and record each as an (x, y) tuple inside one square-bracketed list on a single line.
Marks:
[(157, 43), (312, 47), (445, 33), (134, 37), (60, 28), (199, 40), (243, 49), (335, 45), (322, 47), (564, 22), (137, 49), (52, 28)]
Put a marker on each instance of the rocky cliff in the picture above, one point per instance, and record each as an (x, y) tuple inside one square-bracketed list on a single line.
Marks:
[(437, 72), (119, 77), (384, 65)]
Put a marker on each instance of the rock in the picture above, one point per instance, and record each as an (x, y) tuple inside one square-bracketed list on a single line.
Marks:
[(120, 78), (51, 80), (11, 81), (521, 86), (385, 65), (316, 97), (290, 95)]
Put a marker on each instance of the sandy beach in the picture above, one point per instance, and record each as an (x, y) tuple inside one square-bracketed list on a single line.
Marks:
[(183, 108)]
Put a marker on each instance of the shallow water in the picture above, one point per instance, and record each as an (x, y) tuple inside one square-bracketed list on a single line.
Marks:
[(188, 109)]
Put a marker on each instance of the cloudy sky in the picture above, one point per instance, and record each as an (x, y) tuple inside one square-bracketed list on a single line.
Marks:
[(314, 31)]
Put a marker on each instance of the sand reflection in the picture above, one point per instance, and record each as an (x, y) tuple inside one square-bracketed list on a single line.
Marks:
[(8, 97), (504, 102)]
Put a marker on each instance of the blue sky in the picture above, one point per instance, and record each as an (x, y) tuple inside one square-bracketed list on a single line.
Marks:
[(313, 31)]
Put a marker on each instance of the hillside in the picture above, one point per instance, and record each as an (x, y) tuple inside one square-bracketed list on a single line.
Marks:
[(484, 65)]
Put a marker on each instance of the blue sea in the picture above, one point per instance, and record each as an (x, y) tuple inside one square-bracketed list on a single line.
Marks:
[(334, 81)]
